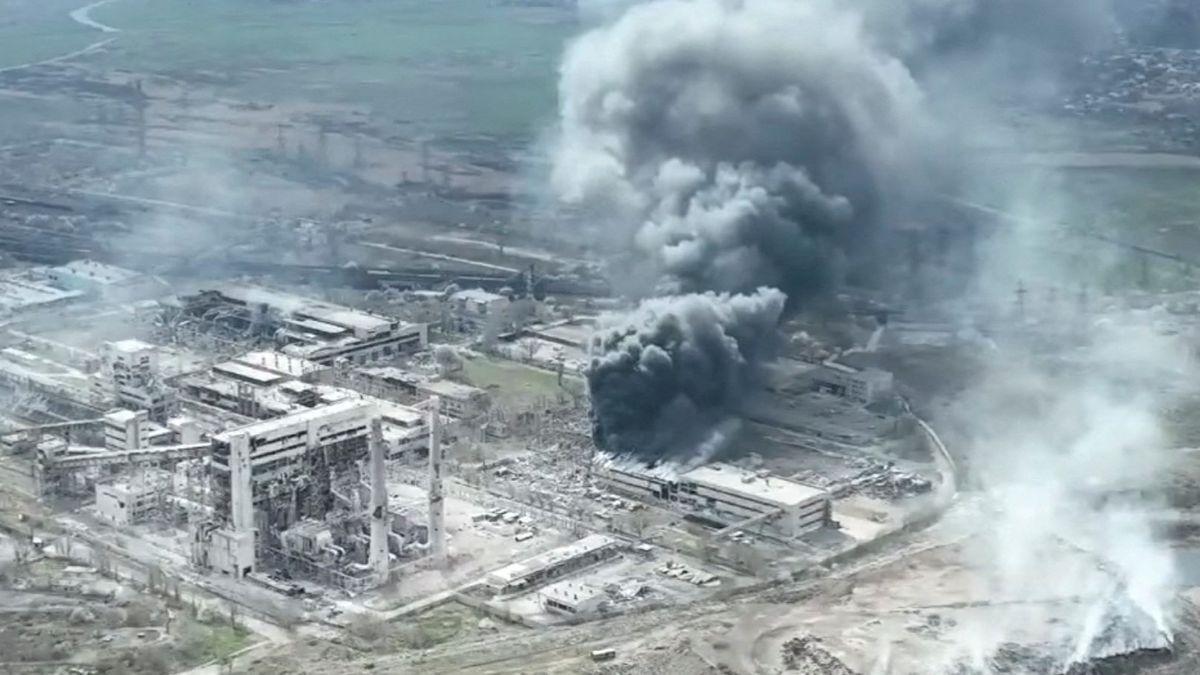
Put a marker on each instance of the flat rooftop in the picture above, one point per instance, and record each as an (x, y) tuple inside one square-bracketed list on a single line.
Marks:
[(317, 327), (577, 334), (248, 373), (278, 362), (519, 570), (400, 414), (17, 292), (130, 346), (391, 373), (450, 388), (101, 273), (121, 415), (478, 295), (572, 593), (345, 316), (310, 308), (296, 418), (773, 489)]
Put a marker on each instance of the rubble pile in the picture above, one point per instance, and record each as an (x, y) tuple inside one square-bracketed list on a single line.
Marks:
[(805, 655), (1121, 663), (1014, 658), (885, 481)]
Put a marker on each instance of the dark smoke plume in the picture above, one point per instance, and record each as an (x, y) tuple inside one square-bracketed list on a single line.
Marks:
[(737, 144), (666, 379), (747, 143)]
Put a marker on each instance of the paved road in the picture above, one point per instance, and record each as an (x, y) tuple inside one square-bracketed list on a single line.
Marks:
[(83, 16), (440, 256)]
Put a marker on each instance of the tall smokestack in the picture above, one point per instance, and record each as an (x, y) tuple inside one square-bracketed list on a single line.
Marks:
[(437, 503), (379, 504), (241, 493)]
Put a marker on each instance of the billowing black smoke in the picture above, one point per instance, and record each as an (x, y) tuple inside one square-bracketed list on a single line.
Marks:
[(667, 379), (745, 143), (740, 144)]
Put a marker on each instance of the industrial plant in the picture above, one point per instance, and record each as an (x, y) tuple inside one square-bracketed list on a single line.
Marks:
[(670, 337)]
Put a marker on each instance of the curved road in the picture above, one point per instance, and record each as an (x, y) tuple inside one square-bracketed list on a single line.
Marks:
[(81, 16)]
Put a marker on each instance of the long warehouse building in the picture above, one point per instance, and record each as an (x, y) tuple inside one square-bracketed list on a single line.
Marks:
[(727, 495)]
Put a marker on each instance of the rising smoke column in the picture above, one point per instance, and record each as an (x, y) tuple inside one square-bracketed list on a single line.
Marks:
[(666, 379), (736, 144)]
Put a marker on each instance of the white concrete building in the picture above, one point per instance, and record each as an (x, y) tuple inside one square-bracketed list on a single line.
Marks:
[(572, 598), (865, 386), (31, 289), (323, 332), (480, 305), (727, 495), (230, 552), (130, 375), (278, 446), (456, 399), (286, 365), (186, 430), (126, 429), (553, 564), (105, 281), (405, 430), (132, 502)]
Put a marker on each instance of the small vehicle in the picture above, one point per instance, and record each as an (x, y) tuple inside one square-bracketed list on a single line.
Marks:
[(604, 654)]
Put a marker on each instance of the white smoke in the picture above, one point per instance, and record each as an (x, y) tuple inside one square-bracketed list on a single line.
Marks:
[(1066, 457)]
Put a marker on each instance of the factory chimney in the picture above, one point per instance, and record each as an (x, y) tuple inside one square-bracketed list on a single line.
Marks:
[(241, 494), (437, 505), (380, 520)]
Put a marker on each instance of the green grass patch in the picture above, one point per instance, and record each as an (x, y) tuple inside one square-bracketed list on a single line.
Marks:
[(435, 626), (511, 382), (199, 643)]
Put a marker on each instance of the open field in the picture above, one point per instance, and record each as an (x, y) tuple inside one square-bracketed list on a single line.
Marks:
[(58, 614), (469, 67), (35, 30), (1113, 226), (510, 382)]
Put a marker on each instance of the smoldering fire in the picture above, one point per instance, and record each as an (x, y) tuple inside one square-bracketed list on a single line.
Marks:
[(667, 378)]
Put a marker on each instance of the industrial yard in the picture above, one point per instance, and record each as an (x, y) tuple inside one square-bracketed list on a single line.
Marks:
[(382, 336)]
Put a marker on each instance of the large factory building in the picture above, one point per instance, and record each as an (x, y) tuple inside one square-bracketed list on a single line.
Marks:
[(295, 453), (318, 331), (727, 495)]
